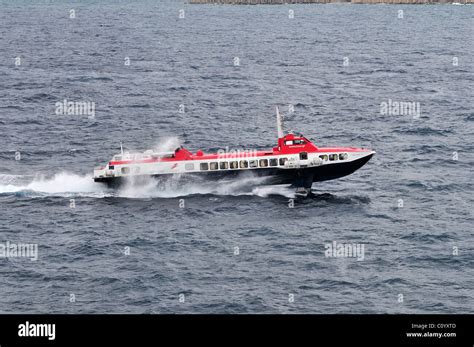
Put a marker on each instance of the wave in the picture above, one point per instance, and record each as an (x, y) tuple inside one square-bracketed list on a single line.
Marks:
[(61, 184), (67, 184), (177, 187)]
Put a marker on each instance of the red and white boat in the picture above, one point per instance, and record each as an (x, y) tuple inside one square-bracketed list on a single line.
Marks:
[(296, 160)]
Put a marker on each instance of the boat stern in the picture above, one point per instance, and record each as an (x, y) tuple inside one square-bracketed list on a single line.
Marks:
[(103, 174)]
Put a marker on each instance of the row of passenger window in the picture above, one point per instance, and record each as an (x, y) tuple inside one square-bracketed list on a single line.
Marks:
[(333, 157), (242, 164), (223, 165)]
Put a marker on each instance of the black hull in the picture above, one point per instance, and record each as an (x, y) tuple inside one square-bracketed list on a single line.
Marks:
[(300, 177)]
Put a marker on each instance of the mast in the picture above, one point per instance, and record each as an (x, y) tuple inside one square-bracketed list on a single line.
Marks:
[(279, 123)]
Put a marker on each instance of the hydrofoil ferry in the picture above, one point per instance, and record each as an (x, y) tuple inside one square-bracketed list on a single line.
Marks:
[(295, 160)]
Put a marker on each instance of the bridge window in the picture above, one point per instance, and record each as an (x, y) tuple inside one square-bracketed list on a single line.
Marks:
[(244, 164), (204, 166), (299, 142), (214, 165), (343, 156), (189, 166), (125, 170), (224, 165), (253, 163), (274, 162), (324, 157), (118, 157), (289, 142), (283, 161), (263, 162), (332, 157), (234, 165)]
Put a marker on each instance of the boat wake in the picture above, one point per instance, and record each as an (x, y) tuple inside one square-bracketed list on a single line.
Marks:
[(61, 184), (66, 184)]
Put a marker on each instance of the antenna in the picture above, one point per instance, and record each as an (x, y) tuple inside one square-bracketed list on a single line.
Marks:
[(279, 123)]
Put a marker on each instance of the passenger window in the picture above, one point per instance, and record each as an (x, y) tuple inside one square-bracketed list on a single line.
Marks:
[(304, 155), (214, 166), (244, 164), (111, 167), (204, 166), (253, 163), (283, 161), (324, 157), (343, 156), (189, 166), (234, 165), (125, 170), (332, 157), (274, 162), (263, 162), (224, 165)]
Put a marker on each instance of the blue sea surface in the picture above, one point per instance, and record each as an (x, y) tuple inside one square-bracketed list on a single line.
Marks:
[(215, 247)]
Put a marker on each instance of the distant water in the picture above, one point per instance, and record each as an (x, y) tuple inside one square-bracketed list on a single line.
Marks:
[(425, 57)]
